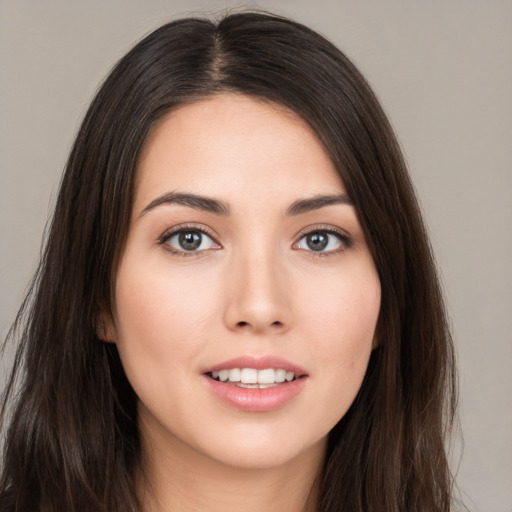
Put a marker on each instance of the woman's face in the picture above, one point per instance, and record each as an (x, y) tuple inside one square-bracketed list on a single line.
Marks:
[(246, 297)]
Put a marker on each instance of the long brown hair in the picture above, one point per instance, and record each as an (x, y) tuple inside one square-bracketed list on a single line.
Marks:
[(69, 413)]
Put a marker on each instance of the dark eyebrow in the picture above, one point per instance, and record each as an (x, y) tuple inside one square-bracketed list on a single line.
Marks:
[(316, 202), (191, 200)]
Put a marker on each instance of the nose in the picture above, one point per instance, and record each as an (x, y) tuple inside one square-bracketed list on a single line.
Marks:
[(259, 296)]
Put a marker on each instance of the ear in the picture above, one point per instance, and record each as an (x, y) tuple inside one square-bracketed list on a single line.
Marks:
[(105, 328)]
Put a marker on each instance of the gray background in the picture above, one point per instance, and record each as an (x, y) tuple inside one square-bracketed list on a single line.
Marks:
[(443, 71)]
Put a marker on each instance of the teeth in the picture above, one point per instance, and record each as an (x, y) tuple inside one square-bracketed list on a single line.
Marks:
[(234, 375), (266, 376), (250, 377), (280, 375)]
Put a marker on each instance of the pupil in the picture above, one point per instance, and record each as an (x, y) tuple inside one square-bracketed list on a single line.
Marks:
[(190, 240), (317, 241)]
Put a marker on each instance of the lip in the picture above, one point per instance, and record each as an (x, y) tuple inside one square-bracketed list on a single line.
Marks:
[(255, 399)]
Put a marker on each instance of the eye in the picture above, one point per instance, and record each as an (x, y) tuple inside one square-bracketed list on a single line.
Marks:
[(323, 241), (188, 240)]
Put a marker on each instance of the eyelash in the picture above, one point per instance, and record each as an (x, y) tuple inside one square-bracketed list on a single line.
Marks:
[(345, 240), (184, 229)]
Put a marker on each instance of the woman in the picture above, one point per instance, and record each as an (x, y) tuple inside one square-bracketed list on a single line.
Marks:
[(237, 306)]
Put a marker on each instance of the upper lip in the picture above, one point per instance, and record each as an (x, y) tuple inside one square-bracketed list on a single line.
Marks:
[(258, 363)]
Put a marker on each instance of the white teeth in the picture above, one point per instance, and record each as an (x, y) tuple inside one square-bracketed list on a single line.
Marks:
[(280, 375), (258, 378), (234, 375), (267, 376), (249, 376)]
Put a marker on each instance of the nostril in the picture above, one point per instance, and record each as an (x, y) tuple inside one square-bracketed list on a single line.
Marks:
[(277, 323)]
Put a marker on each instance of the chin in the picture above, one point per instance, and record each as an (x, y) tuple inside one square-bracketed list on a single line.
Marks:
[(257, 451)]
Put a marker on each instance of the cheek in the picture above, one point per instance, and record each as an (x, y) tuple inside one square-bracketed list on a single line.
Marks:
[(160, 317), (344, 317), (350, 318), (343, 308)]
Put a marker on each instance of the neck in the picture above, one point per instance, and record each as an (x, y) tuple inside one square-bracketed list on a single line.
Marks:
[(178, 479)]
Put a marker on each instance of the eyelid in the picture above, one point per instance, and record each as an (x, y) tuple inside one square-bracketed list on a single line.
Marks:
[(168, 233), (343, 235), (330, 228)]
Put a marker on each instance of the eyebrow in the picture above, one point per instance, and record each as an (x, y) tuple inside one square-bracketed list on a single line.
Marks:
[(218, 207), (314, 203), (206, 204)]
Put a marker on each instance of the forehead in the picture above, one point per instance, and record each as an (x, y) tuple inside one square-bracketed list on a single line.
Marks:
[(234, 145)]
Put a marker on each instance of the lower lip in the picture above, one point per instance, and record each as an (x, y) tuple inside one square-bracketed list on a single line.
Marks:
[(255, 399)]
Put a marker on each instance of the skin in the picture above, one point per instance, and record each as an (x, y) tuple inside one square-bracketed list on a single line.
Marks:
[(255, 287)]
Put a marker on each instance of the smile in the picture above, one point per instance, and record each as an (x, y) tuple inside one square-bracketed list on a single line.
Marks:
[(256, 384), (252, 378)]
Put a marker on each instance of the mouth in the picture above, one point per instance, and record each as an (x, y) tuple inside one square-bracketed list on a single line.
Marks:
[(253, 384), (252, 378)]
